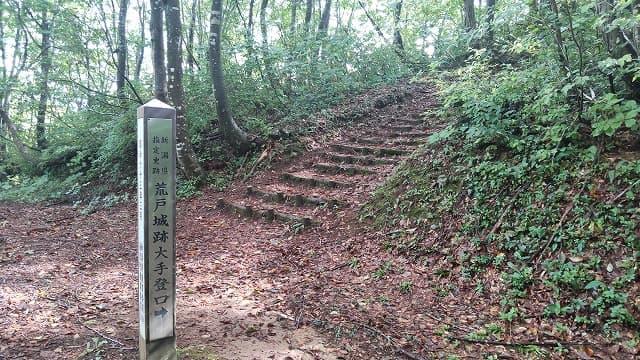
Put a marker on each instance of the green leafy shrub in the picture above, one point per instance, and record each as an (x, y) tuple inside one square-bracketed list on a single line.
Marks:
[(518, 174), (610, 113)]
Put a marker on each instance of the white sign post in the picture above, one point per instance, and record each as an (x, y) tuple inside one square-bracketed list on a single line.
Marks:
[(156, 230)]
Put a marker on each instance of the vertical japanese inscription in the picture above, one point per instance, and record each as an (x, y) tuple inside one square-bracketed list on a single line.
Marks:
[(156, 230), (160, 238), (141, 226)]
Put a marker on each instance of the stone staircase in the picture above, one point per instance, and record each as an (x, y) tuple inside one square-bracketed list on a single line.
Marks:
[(335, 177)]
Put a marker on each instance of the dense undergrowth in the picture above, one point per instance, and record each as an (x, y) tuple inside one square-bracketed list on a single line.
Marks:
[(90, 158), (518, 185)]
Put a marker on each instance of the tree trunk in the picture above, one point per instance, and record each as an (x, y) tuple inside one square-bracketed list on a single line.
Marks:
[(45, 67), (620, 43), (491, 12), (122, 49), (140, 55), (557, 31), (397, 35), (635, 39), (186, 156), (373, 21), (294, 13), (157, 45), (252, 58), (3, 143), (14, 133), (469, 16), (250, 22), (10, 70), (233, 135), (190, 36), (263, 24), (266, 58), (307, 16), (323, 27)]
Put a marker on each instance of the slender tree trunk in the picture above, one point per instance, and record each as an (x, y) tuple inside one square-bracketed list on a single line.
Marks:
[(233, 135), (122, 49), (266, 58), (140, 55), (45, 67), (620, 43), (10, 70), (373, 21), (16, 138), (635, 39), (253, 62), (337, 11), (307, 16), (397, 35), (250, 22), (469, 16), (557, 31), (157, 45), (350, 18), (186, 156), (294, 13), (3, 143), (323, 27), (190, 36), (3, 125), (375, 25), (491, 12), (263, 24)]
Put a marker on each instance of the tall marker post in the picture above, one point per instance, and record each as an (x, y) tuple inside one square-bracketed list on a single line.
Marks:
[(157, 230)]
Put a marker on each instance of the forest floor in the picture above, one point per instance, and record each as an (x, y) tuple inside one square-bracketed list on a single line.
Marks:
[(277, 266)]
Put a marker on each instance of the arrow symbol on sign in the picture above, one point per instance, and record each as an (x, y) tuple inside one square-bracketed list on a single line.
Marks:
[(162, 312)]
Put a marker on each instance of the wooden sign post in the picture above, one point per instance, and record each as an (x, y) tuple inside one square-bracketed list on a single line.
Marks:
[(156, 230)]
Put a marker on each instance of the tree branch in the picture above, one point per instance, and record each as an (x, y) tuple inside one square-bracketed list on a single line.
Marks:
[(16, 139), (87, 89), (624, 191)]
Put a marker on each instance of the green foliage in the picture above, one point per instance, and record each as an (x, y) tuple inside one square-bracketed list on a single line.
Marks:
[(116, 157), (525, 186), (92, 160), (611, 113), (405, 287), (93, 349), (187, 187), (41, 188), (291, 82), (197, 352), (383, 270), (91, 134)]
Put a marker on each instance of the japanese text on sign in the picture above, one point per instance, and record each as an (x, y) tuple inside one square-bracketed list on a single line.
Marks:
[(160, 239)]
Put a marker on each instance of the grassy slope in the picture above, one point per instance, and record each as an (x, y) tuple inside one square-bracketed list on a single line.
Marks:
[(557, 225)]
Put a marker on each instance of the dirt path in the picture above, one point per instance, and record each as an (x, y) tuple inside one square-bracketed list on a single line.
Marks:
[(274, 268)]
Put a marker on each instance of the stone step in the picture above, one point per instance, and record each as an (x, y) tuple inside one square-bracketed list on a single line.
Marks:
[(405, 121), (377, 151), (400, 134), (386, 141), (295, 199), (358, 159), (267, 214), (312, 181), (407, 128), (343, 169)]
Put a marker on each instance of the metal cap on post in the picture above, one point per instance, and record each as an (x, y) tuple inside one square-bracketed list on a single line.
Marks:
[(156, 230)]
